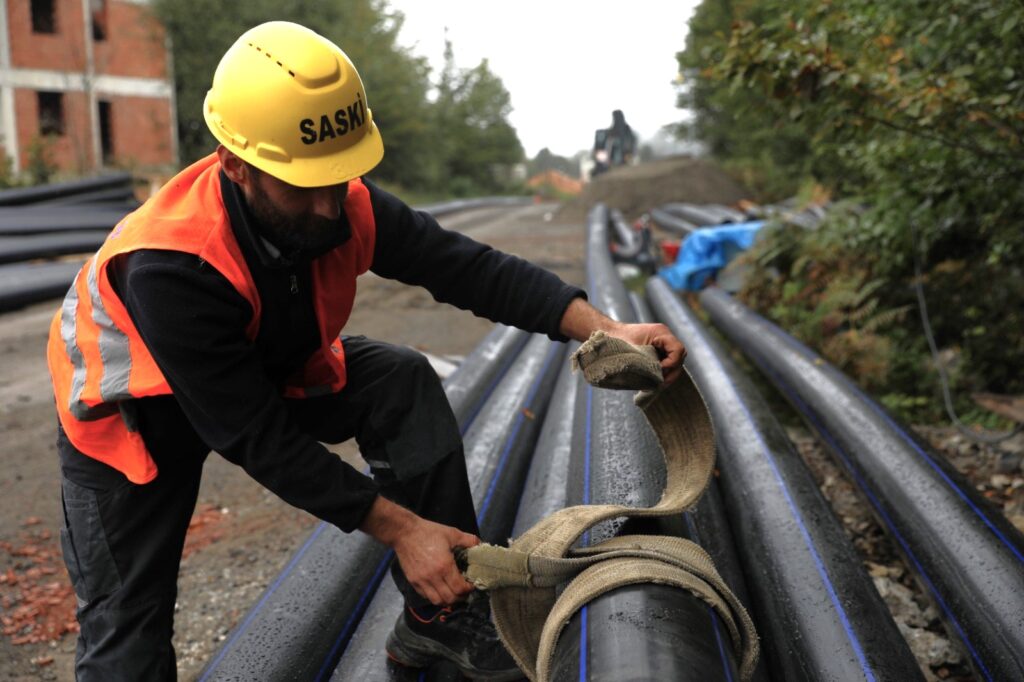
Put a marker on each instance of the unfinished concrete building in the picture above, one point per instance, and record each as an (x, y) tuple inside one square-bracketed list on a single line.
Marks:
[(89, 82)]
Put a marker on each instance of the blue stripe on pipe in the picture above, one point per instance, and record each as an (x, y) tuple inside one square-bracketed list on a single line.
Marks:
[(252, 614), (807, 354), (721, 647), (802, 406), (808, 541), (818, 563), (370, 588), (695, 536), (583, 644), (586, 535), (511, 440)]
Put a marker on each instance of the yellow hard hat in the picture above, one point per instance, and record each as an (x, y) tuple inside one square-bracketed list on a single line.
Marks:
[(290, 102)]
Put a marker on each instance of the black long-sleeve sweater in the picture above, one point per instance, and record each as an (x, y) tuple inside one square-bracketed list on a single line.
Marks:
[(227, 389)]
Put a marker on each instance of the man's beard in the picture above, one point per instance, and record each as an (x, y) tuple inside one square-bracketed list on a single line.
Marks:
[(304, 233)]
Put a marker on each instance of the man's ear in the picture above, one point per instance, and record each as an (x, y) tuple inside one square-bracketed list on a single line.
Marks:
[(234, 167)]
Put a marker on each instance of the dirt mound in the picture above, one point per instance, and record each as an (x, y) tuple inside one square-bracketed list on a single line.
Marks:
[(636, 189)]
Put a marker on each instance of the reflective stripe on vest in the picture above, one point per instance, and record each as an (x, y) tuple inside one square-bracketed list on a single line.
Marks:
[(116, 358), (96, 356)]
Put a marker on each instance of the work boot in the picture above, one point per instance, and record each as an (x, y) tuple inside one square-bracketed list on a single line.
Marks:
[(462, 634)]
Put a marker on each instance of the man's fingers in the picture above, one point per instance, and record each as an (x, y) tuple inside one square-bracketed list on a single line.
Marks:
[(458, 585), (460, 539), (427, 591)]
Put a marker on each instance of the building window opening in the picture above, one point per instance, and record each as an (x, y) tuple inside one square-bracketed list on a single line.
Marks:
[(51, 113), (98, 18), (106, 133), (44, 16)]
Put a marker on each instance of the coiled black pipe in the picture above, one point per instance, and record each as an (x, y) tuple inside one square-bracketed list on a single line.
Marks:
[(966, 554), (641, 632), (301, 623), (802, 570), (499, 446)]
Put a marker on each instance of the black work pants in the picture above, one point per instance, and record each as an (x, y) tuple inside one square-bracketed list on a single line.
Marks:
[(122, 542)]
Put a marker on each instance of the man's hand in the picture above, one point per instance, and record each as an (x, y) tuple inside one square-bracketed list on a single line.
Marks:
[(670, 348), (582, 319), (424, 550)]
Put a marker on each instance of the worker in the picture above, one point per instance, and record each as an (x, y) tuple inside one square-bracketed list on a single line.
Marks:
[(210, 320)]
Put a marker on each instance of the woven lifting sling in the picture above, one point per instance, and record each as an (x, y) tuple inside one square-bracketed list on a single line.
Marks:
[(522, 578)]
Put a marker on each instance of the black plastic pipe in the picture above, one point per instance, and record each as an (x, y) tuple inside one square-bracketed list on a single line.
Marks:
[(967, 556), (302, 622), (42, 219), (707, 523), (724, 213), (25, 283), (498, 447), (622, 232), (545, 490), (672, 223), (498, 450), (19, 196), (17, 249), (694, 214), (803, 571), (444, 208), (113, 195), (644, 631)]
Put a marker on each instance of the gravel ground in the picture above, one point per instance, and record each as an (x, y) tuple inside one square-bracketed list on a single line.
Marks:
[(994, 470)]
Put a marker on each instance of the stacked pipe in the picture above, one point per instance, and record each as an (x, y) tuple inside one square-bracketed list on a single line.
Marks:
[(698, 215), (75, 217), (54, 220), (303, 621), (804, 573), (645, 631), (707, 523), (631, 245), (671, 223), (965, 554), (112, 187), (498, 445)]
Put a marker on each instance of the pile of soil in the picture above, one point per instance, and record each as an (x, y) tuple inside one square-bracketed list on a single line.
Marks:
[(636, 189)]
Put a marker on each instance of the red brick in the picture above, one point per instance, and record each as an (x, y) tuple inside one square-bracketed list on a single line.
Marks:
[(63, 50), (141, 131), (134, 44)]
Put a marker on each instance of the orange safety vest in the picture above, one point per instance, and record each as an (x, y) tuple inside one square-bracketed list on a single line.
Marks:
[(97, 357)]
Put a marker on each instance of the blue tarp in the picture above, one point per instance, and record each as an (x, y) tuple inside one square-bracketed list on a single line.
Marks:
[(706, 251)]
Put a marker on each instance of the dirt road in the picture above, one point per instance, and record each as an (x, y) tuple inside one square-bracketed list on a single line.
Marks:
[(241, 535)]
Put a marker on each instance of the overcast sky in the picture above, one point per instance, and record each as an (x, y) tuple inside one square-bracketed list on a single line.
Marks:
[(566, 63)]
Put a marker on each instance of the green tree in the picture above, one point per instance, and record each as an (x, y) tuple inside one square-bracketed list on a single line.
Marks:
[(479, 145), (912, 115)]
